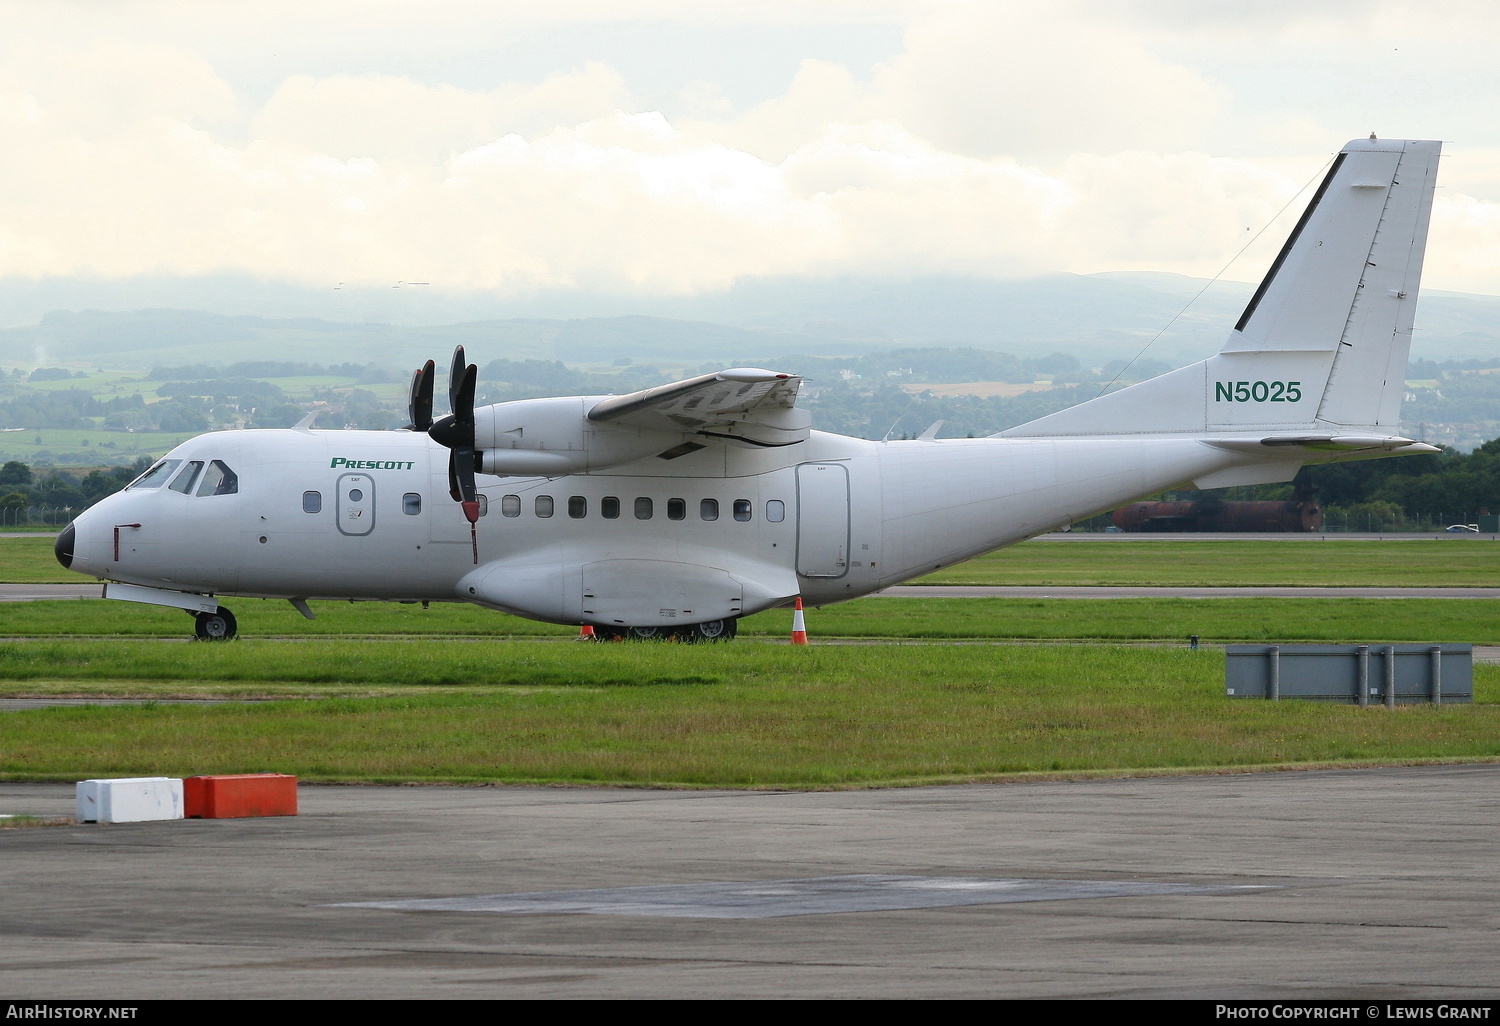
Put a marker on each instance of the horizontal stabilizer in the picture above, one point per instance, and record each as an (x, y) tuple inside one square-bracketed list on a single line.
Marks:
[(1391, 444)]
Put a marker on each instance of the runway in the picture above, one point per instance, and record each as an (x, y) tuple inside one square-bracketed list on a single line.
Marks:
[(1355, 884)]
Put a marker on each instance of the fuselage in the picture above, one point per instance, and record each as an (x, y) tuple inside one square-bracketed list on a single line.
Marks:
[(367, 515), (698, 501)]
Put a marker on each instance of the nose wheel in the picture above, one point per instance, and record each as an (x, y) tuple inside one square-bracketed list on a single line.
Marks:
[(218, 626)]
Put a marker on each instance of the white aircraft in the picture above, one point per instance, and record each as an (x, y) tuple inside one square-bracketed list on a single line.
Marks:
[(676, 510)]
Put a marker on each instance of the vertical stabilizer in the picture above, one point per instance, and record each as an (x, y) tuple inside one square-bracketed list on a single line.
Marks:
[(1323, 343), (1345, 284)]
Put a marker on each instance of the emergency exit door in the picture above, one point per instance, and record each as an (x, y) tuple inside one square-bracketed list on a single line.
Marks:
[(355, 504)]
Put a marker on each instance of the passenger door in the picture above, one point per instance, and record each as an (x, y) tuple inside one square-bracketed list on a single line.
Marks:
[(822, 520)]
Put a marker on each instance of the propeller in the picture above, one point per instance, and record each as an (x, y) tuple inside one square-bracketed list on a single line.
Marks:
[(455, 432), (420, 406)]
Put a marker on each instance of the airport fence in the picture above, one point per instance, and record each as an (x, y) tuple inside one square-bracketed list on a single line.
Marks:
[(37, 516)]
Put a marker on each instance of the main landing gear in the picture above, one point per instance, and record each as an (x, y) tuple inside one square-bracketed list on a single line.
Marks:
[(218, 626), (691, 634)]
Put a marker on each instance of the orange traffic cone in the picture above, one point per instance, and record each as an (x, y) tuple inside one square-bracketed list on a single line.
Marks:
[(585, 633), (799, 628)]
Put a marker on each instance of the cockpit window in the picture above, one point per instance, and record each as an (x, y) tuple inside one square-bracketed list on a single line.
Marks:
[(157, 475), (185, 480), (219, 480)]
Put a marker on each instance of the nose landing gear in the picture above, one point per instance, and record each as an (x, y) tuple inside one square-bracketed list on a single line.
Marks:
[(218, 626)]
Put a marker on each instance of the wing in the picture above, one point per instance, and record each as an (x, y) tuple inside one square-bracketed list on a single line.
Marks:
[(745, 404)]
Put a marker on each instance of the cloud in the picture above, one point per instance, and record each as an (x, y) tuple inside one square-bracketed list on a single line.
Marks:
[(387, 117), (1035, 79), (1004, 140)]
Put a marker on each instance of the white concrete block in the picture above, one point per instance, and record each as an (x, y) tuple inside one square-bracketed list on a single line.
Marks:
[(129, 799)]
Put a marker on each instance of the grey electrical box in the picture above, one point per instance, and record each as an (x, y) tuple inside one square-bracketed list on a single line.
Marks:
[(1360, 674)]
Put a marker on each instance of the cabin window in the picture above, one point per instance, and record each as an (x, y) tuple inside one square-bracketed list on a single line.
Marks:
[(411, 504), (219, 480), (643, 508), (312, 502), (676, 509), (775, 511), (184, 481), (708, 509), (544, 506), (510, 505), (578, 507), (157, 475), (742, 509), (484, 504), (609, 507), (356, 495)]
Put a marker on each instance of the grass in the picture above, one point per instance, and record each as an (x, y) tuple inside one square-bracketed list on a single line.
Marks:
[(1447, 562), (1141, 620), (1425, 563), (21, 821), (31, 561), (457, 694), (66, 445), (710, 716)]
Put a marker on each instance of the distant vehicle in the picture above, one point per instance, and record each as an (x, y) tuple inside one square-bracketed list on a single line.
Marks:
[(1215, 514), (1463, 529), (675, 510)]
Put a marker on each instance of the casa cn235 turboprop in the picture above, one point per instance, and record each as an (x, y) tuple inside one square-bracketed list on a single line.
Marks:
[(675, 510)]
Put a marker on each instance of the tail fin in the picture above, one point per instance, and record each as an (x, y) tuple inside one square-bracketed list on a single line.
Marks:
[(1322, 346)]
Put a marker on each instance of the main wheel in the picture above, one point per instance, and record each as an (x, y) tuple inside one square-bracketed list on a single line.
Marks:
[(644, 633), (709, 630), (218, 626)]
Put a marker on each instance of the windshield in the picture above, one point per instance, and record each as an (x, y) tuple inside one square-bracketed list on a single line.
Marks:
[(156, 476)]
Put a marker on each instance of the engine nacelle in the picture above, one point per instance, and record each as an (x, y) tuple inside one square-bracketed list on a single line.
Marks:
[(554, 438)]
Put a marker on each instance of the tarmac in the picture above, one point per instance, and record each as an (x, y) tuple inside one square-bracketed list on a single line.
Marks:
[(1374, 884)]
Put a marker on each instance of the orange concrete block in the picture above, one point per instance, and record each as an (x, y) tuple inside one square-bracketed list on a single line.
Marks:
[(232, 796)]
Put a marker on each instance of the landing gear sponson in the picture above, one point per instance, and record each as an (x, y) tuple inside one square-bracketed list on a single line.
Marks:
[(711, 630)]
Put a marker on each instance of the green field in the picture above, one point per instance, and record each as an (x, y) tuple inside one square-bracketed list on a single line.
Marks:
[(1416, 563), (31, 561), (1447, 562), (995, 619), (703, 716), (927, 690), (86, 447)]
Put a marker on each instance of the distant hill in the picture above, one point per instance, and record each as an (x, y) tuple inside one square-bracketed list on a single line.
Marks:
[(1094, 318)]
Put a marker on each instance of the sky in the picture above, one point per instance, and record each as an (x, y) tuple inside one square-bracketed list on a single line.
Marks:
[(674, 147)]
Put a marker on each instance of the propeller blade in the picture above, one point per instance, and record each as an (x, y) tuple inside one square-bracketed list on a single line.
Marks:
[(455, 378), (463, 400), (461, 485), (456, 432), (420, 406)]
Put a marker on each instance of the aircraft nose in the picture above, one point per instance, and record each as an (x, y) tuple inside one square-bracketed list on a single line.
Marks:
[(63, 547)]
